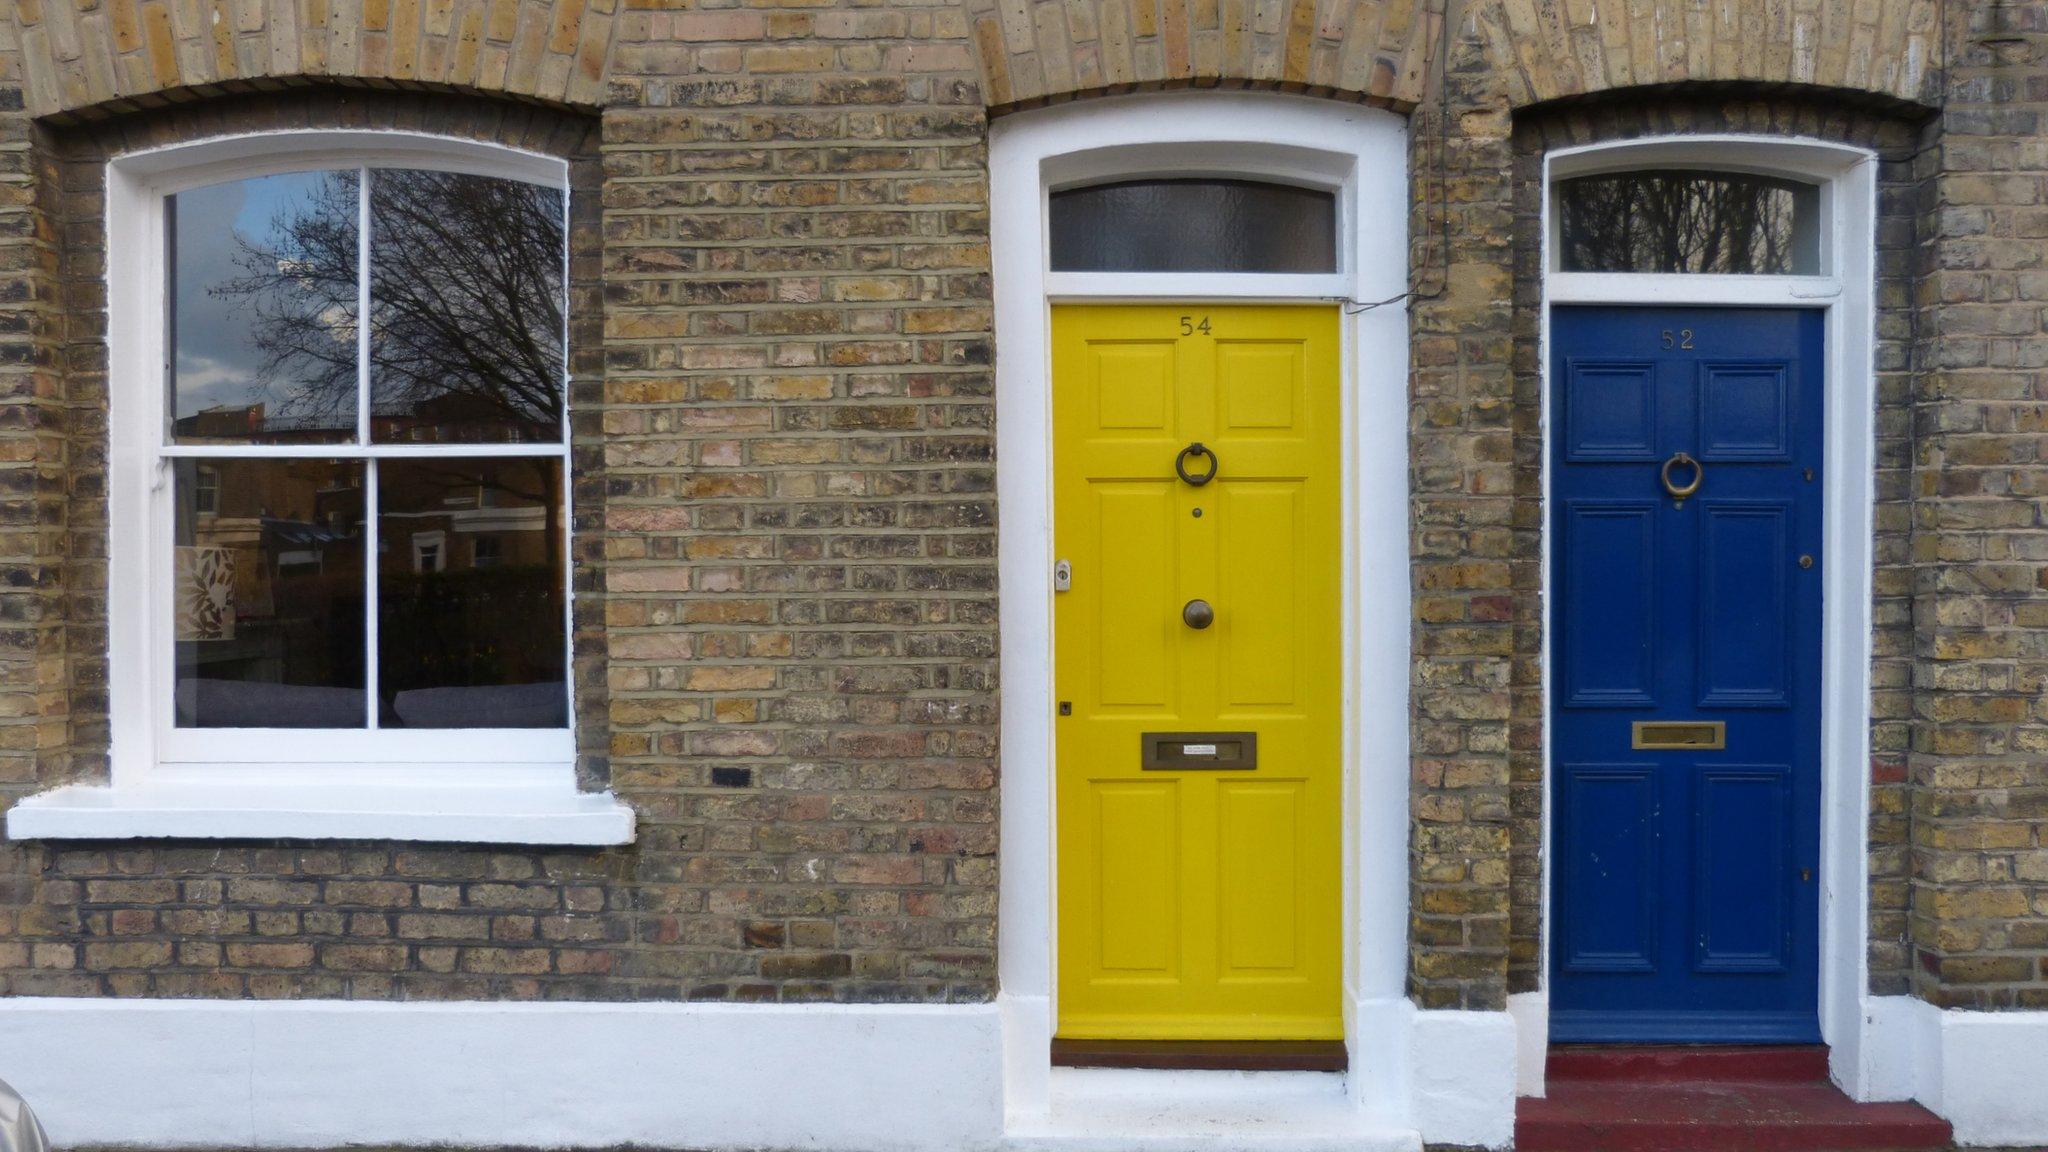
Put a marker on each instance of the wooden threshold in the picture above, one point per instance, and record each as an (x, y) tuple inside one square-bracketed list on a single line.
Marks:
[(1203, 1055)]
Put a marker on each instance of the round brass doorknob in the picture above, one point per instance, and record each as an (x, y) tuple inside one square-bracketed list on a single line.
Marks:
[(1198, 614)]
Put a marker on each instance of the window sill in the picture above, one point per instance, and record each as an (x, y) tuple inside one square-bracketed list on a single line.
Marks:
[(183, 811)]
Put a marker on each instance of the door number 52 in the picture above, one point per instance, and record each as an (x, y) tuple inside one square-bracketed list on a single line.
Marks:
[(1190, 325), (1670, 340)]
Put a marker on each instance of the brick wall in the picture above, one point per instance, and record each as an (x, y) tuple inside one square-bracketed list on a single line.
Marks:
[(787, 604), (35, 701), (1979, 502), (1472, 574), (785, 627), (800, 545)]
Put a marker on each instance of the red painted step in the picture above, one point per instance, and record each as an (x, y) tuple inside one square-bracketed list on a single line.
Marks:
[(1662, 1063), (1653, 1099)]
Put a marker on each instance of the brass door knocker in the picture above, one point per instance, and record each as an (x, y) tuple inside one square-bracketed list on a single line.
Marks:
[(1180, 464), (1678, 494)]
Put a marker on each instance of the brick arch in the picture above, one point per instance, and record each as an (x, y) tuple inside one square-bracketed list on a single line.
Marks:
[(84, 58), (1038, 51), (1382, 51), (1543, 51)]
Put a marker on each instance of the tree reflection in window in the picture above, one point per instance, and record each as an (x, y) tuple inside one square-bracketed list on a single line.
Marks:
[(466, 289), (1688, 221), (465, 283)]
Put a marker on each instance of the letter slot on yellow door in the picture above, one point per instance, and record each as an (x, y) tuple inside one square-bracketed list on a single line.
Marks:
[(1196, 501), (1172, 751)]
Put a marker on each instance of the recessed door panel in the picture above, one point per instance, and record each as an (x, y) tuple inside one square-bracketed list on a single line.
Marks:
[(1261, 385), (1133, 387), (1260, 838), (1685, 632), (1609, 574), (1198, 667), (1745, 411), (1261, 545), (1610, 409), (1135, 569), (1137, 834), (1610, 847), (1747, 617), (1744, 822)]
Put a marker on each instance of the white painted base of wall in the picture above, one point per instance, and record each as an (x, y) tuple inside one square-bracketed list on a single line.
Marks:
[(1986, 1073), (829, 1078), (310, 1074), (1122, 1110), (1449, 1075), (1461, 1077), (846, 1078), (1531, 1012)]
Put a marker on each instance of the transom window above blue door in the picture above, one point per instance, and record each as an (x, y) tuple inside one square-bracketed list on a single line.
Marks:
[(1688, 221), (1202, 224)]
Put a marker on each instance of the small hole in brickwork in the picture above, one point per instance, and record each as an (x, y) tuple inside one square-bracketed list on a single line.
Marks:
[(732, 777)]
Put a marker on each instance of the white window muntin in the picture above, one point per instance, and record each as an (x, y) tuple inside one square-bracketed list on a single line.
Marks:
[(147, 744)]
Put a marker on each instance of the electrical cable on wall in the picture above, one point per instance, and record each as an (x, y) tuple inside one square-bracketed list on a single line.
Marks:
[(1442, 180)]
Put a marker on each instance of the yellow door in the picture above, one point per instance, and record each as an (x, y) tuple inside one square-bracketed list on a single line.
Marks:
[(1199, 897)]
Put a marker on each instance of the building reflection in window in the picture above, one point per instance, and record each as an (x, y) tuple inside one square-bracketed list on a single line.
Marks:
[(269, 593), (469, 592)]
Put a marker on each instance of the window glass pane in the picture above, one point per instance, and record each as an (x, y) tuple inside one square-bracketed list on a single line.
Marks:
[(466, 303), (470, 588), (1684, 221), (1194, 226), (263, 310), (268, 593)]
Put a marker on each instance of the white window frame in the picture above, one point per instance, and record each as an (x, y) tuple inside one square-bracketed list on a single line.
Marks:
[(433, 544), (514, 785)]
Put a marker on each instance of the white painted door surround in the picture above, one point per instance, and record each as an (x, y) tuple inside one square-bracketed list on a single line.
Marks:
[(1461, 1063), (1971, 1067), (1847, 177)]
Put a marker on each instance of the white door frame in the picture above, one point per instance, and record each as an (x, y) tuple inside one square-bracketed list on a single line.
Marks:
[(1361, 154), (1848, 180)]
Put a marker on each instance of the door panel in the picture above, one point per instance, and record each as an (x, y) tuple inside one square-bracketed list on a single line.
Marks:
[(1135, 537), (1610, 410), (1608, 827), (1747, 623), (1262, 541), (1262, 824), (1611, 666), (1744, 825), (1197, 902), (1138, 842), (1684, 879)]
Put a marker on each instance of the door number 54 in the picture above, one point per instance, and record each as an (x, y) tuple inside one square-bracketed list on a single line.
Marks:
[(1189, 325)]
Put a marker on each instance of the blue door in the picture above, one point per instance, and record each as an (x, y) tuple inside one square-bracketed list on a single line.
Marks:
[(1685, 537)]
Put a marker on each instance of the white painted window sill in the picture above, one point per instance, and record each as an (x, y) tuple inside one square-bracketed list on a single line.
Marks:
[(183, 811)]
